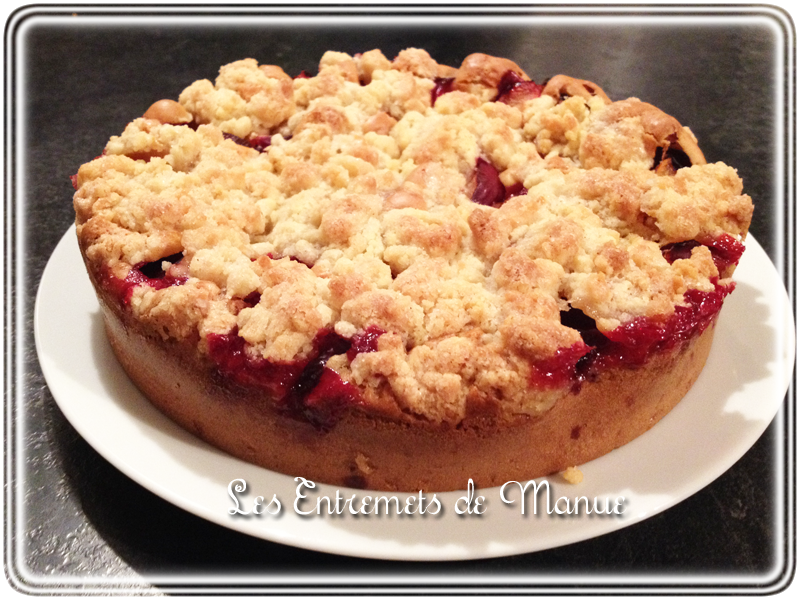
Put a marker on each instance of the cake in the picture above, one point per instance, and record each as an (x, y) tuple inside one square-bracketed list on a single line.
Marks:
[(401, 275)]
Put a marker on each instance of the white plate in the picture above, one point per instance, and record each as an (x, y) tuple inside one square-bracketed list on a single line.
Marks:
[(733, 402)]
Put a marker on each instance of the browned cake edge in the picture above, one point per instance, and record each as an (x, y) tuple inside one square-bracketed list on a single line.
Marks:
[(374, 452)]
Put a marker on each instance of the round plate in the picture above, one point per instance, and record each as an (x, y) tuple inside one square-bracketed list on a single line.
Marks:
[(732, 403)]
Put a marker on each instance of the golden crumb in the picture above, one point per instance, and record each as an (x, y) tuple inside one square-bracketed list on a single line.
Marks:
[(572, 475)]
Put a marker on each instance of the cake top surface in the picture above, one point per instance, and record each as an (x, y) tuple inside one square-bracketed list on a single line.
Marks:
[(458, 212)]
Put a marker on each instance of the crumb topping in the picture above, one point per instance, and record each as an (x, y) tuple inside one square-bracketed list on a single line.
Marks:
[(462, 224), (572, 475)]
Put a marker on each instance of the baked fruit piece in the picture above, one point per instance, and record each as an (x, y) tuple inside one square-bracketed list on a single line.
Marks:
[(400, 275)]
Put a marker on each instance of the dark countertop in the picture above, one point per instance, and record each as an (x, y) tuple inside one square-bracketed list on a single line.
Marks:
[(82, 81)]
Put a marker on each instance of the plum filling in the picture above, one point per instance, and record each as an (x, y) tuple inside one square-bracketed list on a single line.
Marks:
[(489, 190), (258, 142), (155, 270), (513, 88), (365, 341), (631, 344), (636, 341), (725, 250), (679, 250), (516, 189), (319, 395), (441, 86), (229, 352), (324, 405), (306, 390), (151, 273), (666, 162), (252, 299)]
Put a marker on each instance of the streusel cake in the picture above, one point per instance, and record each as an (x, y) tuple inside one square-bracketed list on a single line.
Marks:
[(397, 274)]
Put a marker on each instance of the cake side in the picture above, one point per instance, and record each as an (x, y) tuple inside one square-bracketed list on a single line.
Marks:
[(370, 450)]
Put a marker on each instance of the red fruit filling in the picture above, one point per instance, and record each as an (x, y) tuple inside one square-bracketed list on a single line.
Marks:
[(631, 344), (441, 86), (365, 341), (151, 274), (489, 190), (516, 189), (559, 369), (259, 142), (513, 88), (229, 352), (319, 395), (679, 250), (252, 299), (306, 389), (725, 250), (638, 340), (325, 404), (678, 159)]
